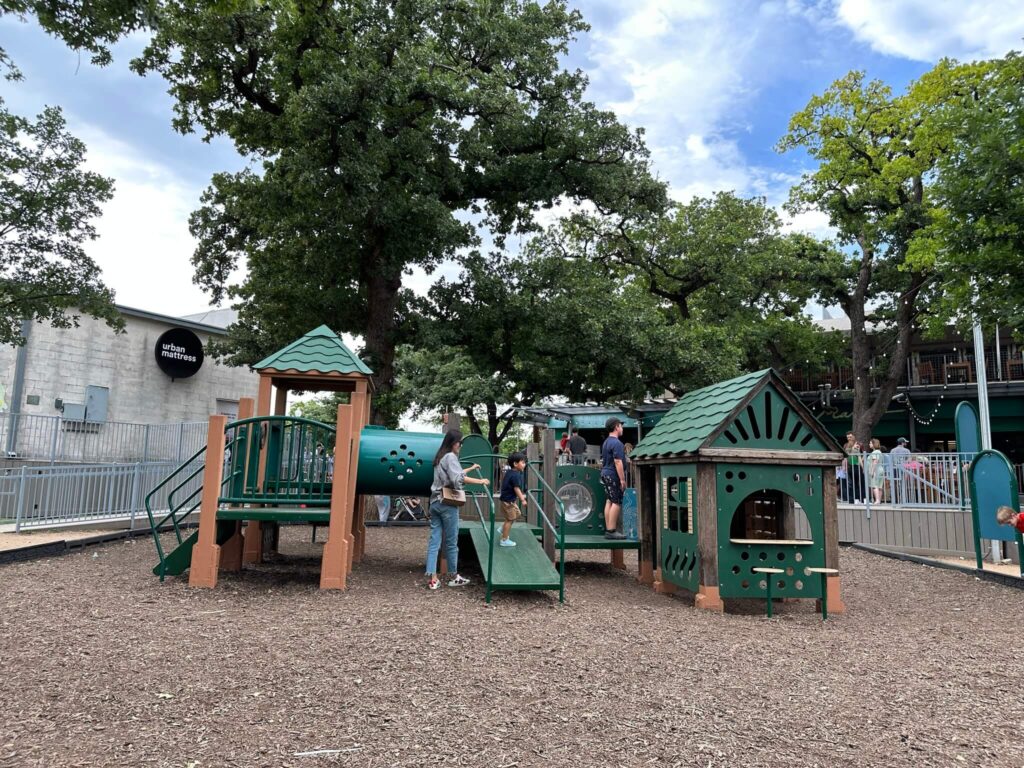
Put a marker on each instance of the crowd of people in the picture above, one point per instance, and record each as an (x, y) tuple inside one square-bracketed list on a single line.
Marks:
[(863, 473)]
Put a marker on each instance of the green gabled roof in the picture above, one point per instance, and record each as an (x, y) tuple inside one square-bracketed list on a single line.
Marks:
[(754, 411), (699, 413), (320, 351)]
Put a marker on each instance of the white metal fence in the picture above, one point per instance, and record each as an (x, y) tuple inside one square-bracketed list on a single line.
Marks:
[(919, 480), (55, 439), (36, 496)]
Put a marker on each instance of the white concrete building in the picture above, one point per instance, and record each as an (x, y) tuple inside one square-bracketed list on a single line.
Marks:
[(94, 374)]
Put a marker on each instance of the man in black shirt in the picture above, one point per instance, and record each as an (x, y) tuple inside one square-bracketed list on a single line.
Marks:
[(577, 447)]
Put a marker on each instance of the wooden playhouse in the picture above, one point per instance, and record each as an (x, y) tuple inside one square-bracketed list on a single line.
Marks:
[(737, 476)]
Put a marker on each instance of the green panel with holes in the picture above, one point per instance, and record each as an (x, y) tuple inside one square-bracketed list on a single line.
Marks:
[(677, 510), (583, 496), (769, 422), (752, 532)]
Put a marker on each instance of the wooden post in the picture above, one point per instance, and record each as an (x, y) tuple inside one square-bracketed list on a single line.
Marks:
[(831, 528), (708, 515), (206, 554), (231, 552), (357, 532), (550, 509), (253, 551), (336, 561), (532, 483), (647, 518)]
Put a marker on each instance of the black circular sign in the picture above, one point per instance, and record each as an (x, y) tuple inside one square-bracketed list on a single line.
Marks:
[(179, 353)]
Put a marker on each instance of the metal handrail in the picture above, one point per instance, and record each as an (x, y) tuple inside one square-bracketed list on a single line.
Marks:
[(559, 532), (487, 528), (154, 526)]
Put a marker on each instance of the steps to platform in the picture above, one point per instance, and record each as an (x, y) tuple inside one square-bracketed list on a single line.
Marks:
[(522, 567)]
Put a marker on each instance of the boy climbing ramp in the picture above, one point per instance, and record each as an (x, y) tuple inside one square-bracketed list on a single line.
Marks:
[(512, 492)]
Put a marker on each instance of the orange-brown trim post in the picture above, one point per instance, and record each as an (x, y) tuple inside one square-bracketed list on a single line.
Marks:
[(335, 565), (231, 551), (708, 596), (253, 552), (206, 554), (360, 416), (831, 526)]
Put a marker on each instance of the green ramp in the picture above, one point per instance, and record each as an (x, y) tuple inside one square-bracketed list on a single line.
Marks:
[(522, 567), (180, 559)]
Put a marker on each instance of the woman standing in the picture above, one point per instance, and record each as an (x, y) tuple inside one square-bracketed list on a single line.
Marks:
[(854, 471), (876, 470), (448, 473)]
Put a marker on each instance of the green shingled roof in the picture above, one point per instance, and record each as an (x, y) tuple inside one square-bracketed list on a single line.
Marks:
[(699, 413), (320, 351)]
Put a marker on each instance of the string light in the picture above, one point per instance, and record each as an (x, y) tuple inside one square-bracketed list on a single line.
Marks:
[(931, 416)]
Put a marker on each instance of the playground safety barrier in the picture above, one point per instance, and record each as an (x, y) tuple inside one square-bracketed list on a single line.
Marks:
[(36, 437), (38, 496)]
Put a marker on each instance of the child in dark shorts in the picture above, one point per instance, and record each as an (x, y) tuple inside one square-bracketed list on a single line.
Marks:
[(511, 492)]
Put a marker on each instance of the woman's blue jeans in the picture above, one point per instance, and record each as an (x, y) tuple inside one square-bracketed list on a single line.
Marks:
[(443, 518)]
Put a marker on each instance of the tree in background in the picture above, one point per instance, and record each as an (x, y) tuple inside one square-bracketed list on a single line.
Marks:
[(876, 152), (47, 207), (392, 135), (508, 334), (976, 240), (717, 263)]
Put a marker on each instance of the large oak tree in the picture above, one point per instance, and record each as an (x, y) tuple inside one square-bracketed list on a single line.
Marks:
[(392, 134)]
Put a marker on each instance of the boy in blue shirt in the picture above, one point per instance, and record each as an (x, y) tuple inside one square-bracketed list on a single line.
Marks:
[(511, 492)]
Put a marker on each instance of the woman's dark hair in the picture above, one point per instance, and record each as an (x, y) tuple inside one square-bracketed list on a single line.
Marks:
[(451, 437), (515, 457)]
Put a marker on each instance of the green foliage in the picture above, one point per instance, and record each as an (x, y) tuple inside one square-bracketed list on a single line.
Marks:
[(876, 153), (723, 266), (90, 25), (323, 409), (510, 333), (392, 135), (47, 206), (975, 243)]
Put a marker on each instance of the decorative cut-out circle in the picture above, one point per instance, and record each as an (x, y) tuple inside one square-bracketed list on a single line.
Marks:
[(744, 555), (578, 502), (799, 584), (728, 475), (728, 489), (781, 584), (743, 475), (745, 584), (736, 569), (762, 584), (762, 556), (781, 556), (789, 571)]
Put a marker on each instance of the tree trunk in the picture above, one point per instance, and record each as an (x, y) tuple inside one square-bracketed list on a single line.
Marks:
[(868, 411), (381, 318)]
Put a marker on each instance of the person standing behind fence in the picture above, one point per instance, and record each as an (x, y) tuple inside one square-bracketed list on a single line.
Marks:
[(613, 477), (876, 470), (900, 455), (578, 447), (854, 471)]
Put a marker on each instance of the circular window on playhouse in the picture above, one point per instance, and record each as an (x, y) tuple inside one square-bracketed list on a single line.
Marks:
[(742, 475), (728, 475), (578, 501)]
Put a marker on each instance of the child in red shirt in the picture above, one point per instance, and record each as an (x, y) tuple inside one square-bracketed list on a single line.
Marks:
[(1006, 516)]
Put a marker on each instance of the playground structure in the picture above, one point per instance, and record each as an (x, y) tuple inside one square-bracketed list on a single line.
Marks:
[(722, 481), (268, 468)]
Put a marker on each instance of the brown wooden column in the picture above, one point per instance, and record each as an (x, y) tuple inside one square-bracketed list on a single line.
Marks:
[(646, 515), (831, 527), (550, 508), (707, 539), (231, 552), (253, 549), (337, 558), (206, 554), (357, 531)]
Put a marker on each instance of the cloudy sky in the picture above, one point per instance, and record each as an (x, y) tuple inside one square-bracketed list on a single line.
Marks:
[(713, 82)]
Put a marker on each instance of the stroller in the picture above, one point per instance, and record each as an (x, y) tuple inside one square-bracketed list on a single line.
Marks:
[(408, 508)]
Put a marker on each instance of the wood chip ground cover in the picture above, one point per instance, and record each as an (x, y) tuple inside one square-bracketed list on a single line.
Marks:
[(102, 665)]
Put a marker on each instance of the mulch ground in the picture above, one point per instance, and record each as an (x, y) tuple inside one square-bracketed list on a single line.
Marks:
[(102, 665)]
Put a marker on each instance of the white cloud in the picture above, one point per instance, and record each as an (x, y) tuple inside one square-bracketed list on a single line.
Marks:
[(681, 65), (927, 30), (144, 245)]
